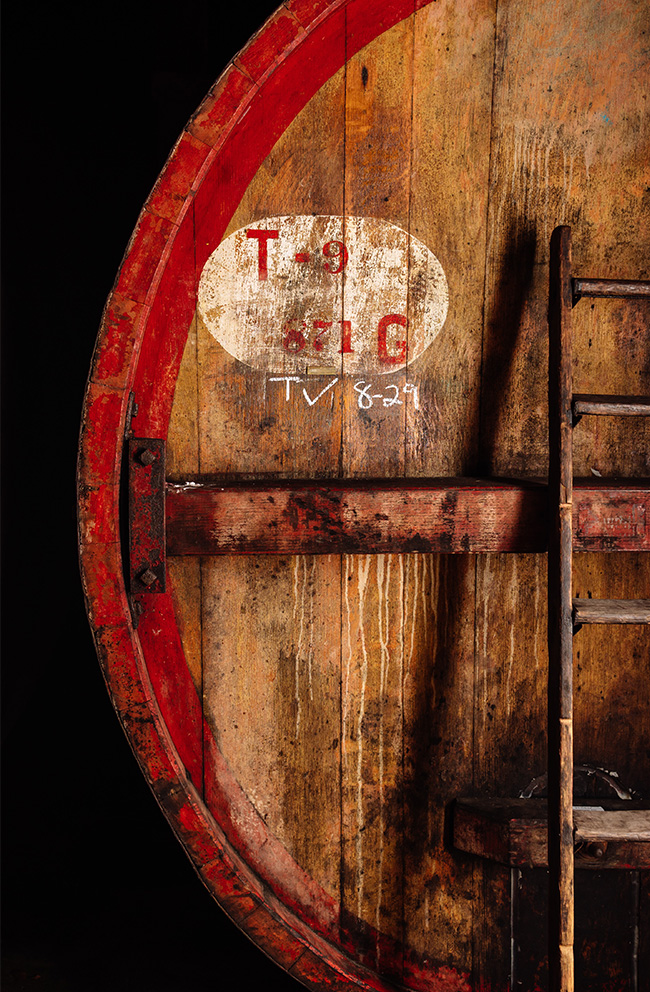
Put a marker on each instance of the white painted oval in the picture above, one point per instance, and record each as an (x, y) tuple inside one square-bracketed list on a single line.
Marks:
[(271, 295)]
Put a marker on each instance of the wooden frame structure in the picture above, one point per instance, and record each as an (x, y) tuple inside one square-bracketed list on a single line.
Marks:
[(567, 614)]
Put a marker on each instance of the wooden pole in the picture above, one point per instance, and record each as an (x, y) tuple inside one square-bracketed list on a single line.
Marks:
[(560, 621)]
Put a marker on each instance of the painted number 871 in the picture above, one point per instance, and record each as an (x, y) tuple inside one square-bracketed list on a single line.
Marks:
[(295, 334)]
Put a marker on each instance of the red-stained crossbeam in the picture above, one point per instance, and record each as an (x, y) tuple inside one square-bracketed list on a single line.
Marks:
[(372, 517)]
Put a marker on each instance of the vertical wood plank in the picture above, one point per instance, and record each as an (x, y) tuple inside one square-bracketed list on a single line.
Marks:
[(184, 576), (378, 94), (377, 177), (452, 89), (643, 955), (509, 723), (452, 73), (438, 762), (371, 759), (491, 919), (183, 434), (511, 671), (452, 85), (271, 695)]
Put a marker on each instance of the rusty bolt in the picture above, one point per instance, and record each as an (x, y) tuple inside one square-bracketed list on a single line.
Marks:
[(147, 578), (146, 456), (595, 850)]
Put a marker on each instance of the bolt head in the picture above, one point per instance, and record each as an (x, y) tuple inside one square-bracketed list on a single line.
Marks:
[(147, 578), (146, 456)]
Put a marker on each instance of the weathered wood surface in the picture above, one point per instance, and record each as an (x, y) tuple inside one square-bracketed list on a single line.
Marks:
[(610, 406), (514, 832), (443, 515), (617, 825), (327, 710), (481, 406), (621, 288), (560, 623), (611, 611)]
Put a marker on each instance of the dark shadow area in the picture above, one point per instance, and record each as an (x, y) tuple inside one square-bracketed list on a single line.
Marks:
[(503, 339), (97, 893), (607, 910)]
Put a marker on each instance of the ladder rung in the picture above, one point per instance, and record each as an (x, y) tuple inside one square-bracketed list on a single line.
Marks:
[(607, 406), (592, 826), (611, 611), (630, 288)]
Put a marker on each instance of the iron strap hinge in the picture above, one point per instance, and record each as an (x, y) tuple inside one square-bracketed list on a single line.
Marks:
[(147, 549)]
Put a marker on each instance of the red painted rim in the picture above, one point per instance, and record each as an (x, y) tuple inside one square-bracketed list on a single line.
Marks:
[(139, 349)]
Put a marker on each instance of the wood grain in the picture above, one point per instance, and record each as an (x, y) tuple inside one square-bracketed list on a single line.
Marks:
[(608, 406), (271, 661), (560, 625), (438, 622), (371, 758), (633, 825), (246, 424), (643, 957), (378, 96), (184, 578), (610, 709), (611, 611), (452, 516), (514, 832), (183, 433), (509, 720), (511, 668), (546, 170), (431, 669), (449, 187), (443, 515), (624, 288)]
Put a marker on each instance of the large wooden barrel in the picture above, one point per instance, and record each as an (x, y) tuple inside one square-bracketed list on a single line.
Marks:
[(342, 275)]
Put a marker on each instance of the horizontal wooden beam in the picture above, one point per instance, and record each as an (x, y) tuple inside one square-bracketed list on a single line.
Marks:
[(372, 517), (607, 833)]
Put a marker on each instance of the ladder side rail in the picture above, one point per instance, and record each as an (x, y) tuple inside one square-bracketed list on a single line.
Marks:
[(560, 620)]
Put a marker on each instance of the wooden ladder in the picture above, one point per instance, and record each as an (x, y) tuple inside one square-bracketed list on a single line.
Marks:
[(565, 614)]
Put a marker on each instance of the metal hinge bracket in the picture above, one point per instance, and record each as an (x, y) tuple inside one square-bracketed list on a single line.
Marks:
[(147, 546)]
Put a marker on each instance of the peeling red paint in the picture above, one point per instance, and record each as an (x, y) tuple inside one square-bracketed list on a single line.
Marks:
[(112, 364)]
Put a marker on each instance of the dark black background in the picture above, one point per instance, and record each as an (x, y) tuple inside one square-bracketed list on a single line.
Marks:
[(98, 894)]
